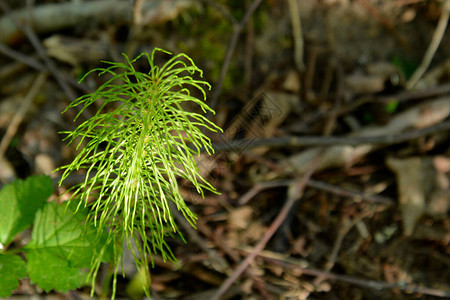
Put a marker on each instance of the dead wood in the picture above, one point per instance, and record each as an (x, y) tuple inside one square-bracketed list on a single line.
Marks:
[(53, 17)]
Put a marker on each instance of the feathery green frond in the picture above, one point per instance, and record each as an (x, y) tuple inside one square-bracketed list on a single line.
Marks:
[(136, 148)]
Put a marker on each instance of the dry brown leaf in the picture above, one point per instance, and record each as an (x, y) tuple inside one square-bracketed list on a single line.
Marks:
[(422, 188), (411, 195)]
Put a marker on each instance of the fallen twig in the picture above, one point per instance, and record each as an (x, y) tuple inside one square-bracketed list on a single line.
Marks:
[(259, 187), (21, 57), (434, 44), (297, 141), (416, 95)]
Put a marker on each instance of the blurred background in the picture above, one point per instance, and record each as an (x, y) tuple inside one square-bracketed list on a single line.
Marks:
[(333, 167)]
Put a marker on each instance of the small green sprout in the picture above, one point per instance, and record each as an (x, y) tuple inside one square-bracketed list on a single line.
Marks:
[(135, 149)]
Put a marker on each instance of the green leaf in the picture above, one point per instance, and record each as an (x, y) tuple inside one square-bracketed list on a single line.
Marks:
[(61, 245), (12, 268), (50, 269), (19, 202)]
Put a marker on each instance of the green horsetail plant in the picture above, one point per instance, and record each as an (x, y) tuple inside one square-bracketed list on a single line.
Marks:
[(135, 149)]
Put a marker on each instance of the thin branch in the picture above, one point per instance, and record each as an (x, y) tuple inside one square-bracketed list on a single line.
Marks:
[(29, 61), (297, 141), (297, 32), (432, 48), (320, 185), (409, 95), (348, 193), (248, 55), (250, 12), (230, 51)]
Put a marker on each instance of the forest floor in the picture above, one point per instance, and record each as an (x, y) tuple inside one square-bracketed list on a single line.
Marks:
[(333, 167)]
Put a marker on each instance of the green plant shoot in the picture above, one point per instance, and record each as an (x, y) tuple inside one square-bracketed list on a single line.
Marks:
[(136, 148)]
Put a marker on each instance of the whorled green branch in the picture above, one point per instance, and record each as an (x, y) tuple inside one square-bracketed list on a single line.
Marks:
[(136, 148)]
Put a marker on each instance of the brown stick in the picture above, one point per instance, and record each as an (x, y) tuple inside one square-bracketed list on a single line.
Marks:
[(320, 185), (432, 47), (297, 141), (29, 61), (348, 193)]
